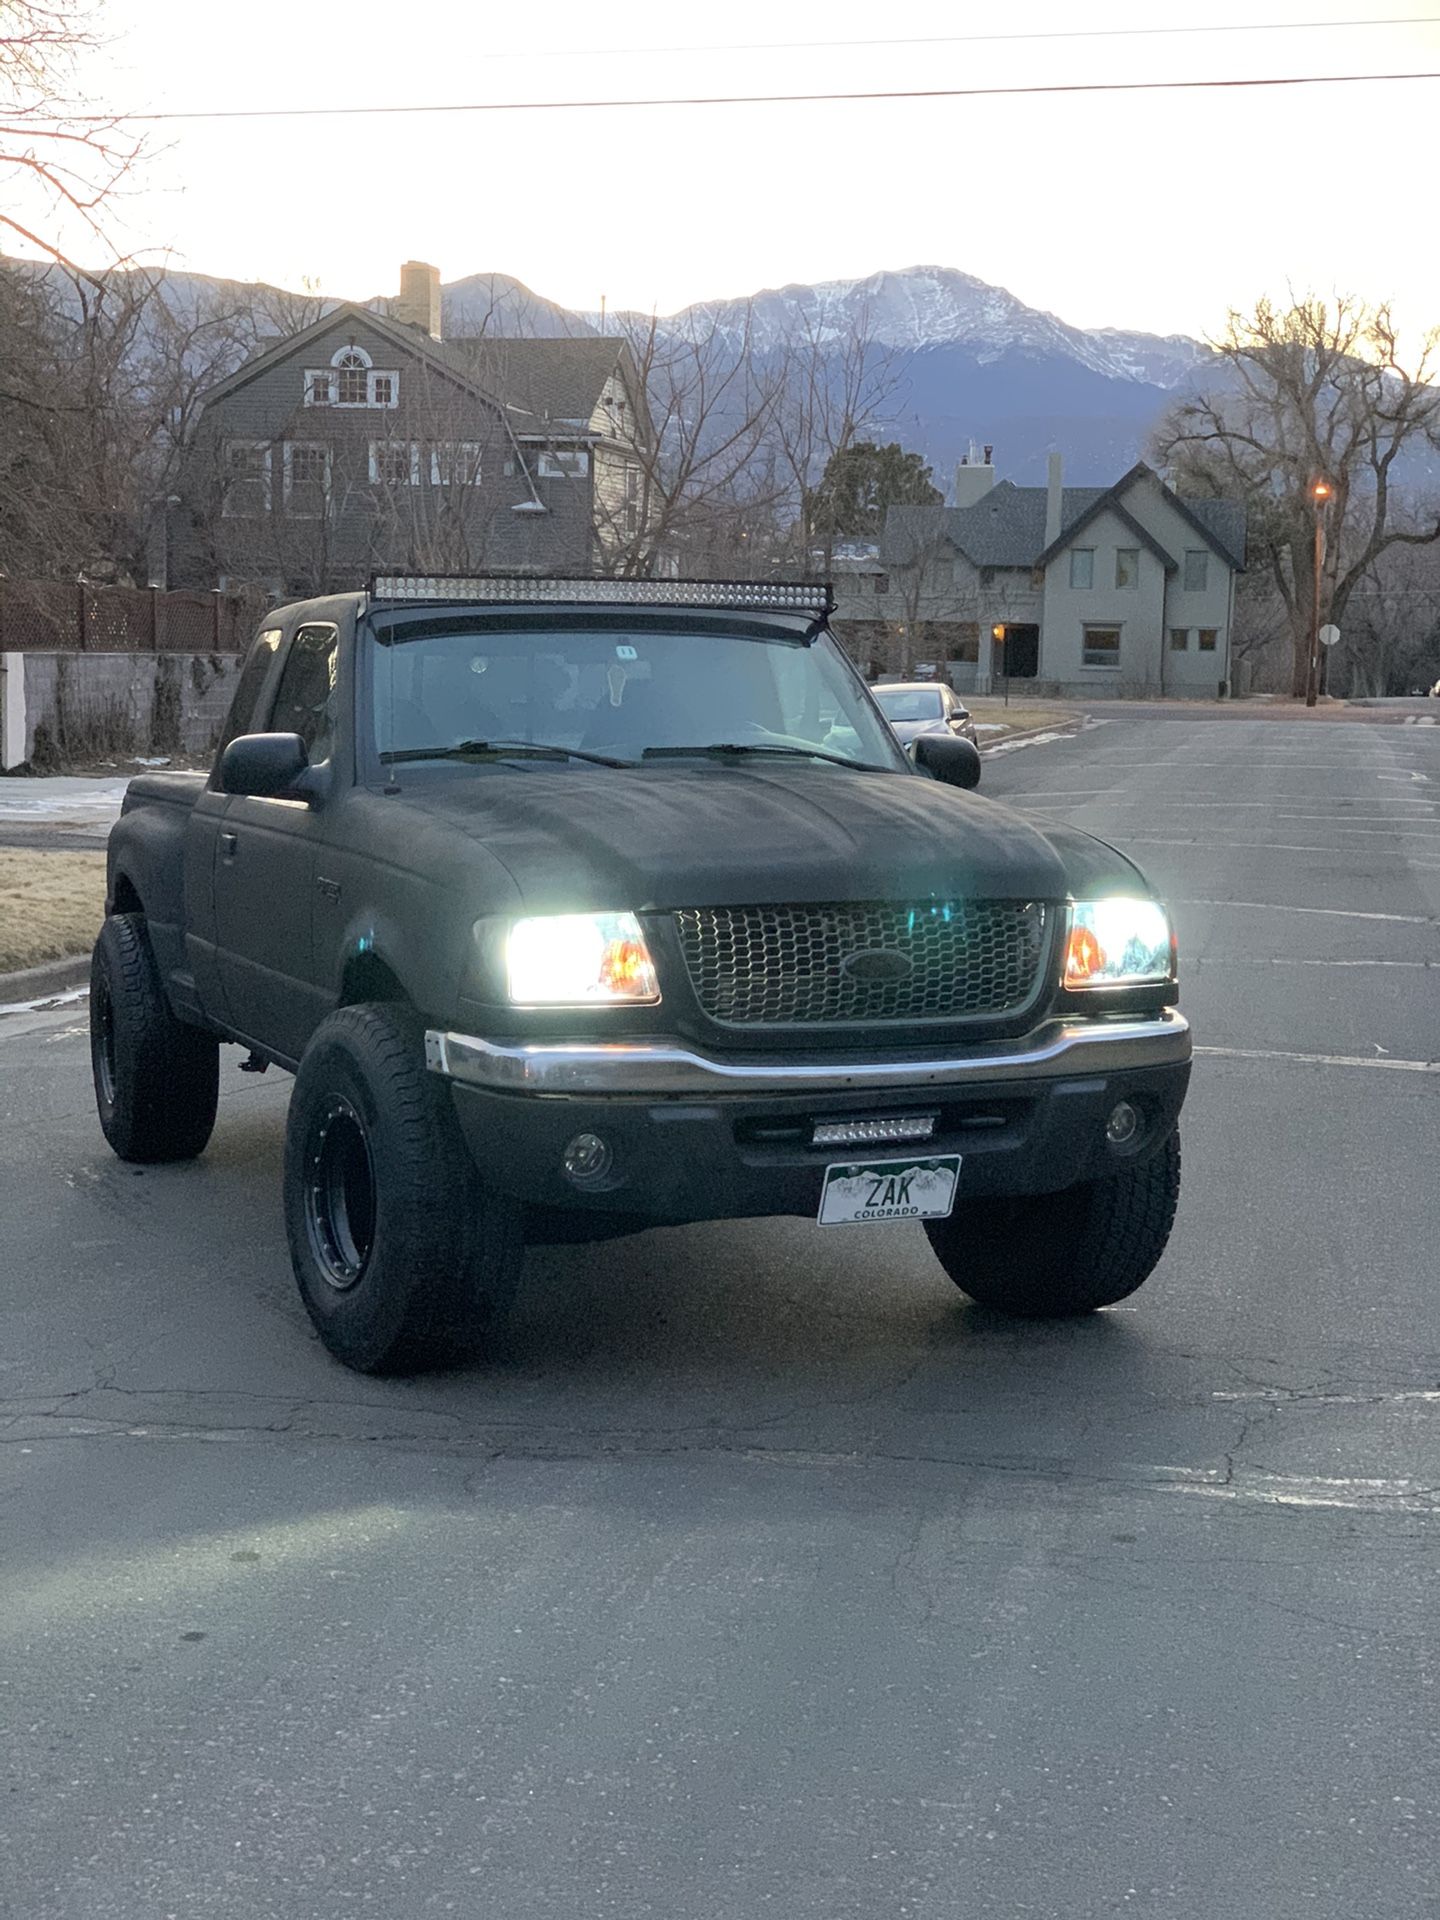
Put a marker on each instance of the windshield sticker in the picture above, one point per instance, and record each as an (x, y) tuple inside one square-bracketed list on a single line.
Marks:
[(626, 653)]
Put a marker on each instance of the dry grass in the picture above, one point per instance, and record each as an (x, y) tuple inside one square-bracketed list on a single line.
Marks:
[(51, 905)]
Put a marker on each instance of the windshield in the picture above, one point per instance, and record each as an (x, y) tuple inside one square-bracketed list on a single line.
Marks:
[(910, 703), (615, 693)]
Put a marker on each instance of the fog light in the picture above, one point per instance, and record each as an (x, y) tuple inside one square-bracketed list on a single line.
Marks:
[(586, 1158), (1122, 1126)]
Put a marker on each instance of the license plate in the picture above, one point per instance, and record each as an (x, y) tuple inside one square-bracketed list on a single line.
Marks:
[(862, 1190)]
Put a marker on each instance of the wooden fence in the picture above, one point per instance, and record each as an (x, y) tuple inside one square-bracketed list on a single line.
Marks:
[(43, 616)]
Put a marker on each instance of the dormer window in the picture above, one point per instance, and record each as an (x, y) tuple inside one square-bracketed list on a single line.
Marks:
[(354, 377), (351, 381)]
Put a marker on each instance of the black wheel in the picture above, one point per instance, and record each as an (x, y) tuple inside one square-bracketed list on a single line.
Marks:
[(157, 1081), (1049, 1254), (402, 1256)]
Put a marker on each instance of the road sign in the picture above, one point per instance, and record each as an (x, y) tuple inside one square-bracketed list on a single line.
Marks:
[(1328, 636)]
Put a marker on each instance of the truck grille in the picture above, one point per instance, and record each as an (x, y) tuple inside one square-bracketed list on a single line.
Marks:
[(953, 959)]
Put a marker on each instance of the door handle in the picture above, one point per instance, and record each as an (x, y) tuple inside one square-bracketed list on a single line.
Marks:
[(230, 844)]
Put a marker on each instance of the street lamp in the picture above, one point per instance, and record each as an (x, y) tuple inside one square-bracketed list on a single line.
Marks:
[(997, 634), (1320, 496)]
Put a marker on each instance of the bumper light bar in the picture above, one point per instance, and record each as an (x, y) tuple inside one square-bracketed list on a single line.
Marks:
[(865, 1133), (524, 589)]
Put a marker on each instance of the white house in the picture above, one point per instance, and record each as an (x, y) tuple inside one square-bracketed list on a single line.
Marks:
[(1082, 590)]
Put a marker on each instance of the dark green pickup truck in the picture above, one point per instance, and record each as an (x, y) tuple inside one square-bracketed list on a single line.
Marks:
[(579, 907)]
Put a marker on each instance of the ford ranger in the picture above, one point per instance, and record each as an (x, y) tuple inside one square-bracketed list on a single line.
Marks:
[(577, 907)]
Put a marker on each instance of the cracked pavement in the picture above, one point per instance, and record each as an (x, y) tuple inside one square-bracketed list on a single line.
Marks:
[(758, 1572)]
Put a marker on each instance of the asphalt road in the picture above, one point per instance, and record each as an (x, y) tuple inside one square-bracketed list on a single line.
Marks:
[(759, 1573)]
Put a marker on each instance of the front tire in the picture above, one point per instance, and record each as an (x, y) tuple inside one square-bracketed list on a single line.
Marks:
[(403, 1258), (1043, 1256), (157, 1081)]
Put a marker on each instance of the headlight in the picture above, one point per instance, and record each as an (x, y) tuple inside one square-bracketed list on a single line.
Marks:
[(580, 960), (1118, 943)]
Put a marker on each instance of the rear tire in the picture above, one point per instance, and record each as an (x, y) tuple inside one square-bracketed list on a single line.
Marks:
[(1046, 1255), (157, 1081), (404, 1259)]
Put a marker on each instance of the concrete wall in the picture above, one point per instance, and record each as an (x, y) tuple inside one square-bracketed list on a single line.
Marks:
[(82, 708)]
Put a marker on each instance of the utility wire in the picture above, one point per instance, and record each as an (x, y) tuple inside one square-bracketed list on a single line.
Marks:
[(758, 99), (953, 39)]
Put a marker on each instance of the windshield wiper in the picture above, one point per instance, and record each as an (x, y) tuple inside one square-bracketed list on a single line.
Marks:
[(475, 749), (724, 748)]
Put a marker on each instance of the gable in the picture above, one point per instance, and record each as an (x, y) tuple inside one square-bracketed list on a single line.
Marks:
[(411, 359), (1218, 525)]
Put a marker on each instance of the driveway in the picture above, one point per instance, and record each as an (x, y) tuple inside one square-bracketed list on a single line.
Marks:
[(759, 1573)]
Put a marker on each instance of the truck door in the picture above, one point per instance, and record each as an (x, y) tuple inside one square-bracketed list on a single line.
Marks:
[(265, 861), (253, 692)]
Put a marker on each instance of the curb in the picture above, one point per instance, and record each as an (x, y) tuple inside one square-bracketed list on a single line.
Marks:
[(36, 983)]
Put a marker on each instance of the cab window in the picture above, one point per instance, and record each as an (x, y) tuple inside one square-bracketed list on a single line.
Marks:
[(305, 699)]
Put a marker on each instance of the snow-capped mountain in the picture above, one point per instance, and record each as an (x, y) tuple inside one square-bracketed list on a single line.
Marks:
[(916, 308)]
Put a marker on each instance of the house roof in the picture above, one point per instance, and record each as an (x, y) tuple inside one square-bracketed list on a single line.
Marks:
[(1004, 529), (1006, 526), (404, 338), (558, 380)]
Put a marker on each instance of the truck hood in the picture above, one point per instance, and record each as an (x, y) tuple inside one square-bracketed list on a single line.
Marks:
[(708, 834)]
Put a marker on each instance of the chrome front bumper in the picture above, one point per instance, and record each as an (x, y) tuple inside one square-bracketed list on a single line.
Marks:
[(650, 1068)]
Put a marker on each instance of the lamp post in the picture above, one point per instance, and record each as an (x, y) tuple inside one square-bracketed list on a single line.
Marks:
[(997, 634), (164, 501), (1320, 493)]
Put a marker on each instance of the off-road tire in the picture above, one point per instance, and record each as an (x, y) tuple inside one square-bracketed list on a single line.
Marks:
[(1046, 1255), (403, 1257), (157, 1081)]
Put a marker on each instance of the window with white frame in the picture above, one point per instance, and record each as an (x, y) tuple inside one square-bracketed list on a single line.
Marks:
[(455, 464), (351, 380), (1102, 647), (632, 499), (1127, 567), (1082, 568), (246, 479), (307, 478), (394, 463), (564, 463), (1197, 570)]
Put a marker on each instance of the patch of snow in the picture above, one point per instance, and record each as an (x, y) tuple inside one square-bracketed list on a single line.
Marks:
[(30, 802)]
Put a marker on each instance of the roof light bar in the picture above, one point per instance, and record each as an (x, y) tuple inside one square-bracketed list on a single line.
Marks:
[(523, 589)]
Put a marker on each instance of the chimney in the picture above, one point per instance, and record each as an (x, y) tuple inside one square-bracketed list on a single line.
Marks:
[(1054, 501), (974, 477), (418, 304)]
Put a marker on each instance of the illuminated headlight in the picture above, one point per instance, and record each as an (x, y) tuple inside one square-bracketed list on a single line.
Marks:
[(1119, 943), (580, 960)]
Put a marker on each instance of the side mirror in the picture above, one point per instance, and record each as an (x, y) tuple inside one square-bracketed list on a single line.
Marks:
[(267, 766), (948, 758)]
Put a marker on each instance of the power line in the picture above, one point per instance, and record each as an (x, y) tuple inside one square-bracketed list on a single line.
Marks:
[(757, 99), (955, 39)]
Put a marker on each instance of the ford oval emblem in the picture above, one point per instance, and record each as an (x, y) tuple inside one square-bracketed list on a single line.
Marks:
[(877, 967)]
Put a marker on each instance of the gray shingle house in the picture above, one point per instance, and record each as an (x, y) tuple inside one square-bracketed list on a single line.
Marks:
[(365, 441), (1125, 589)]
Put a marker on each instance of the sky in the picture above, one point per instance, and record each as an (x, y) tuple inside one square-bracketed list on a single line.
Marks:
[(1144, 210)]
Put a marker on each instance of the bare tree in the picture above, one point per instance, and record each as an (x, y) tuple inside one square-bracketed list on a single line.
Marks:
[(702, 472), (1313, 392), (55, 155), (835, 389)]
